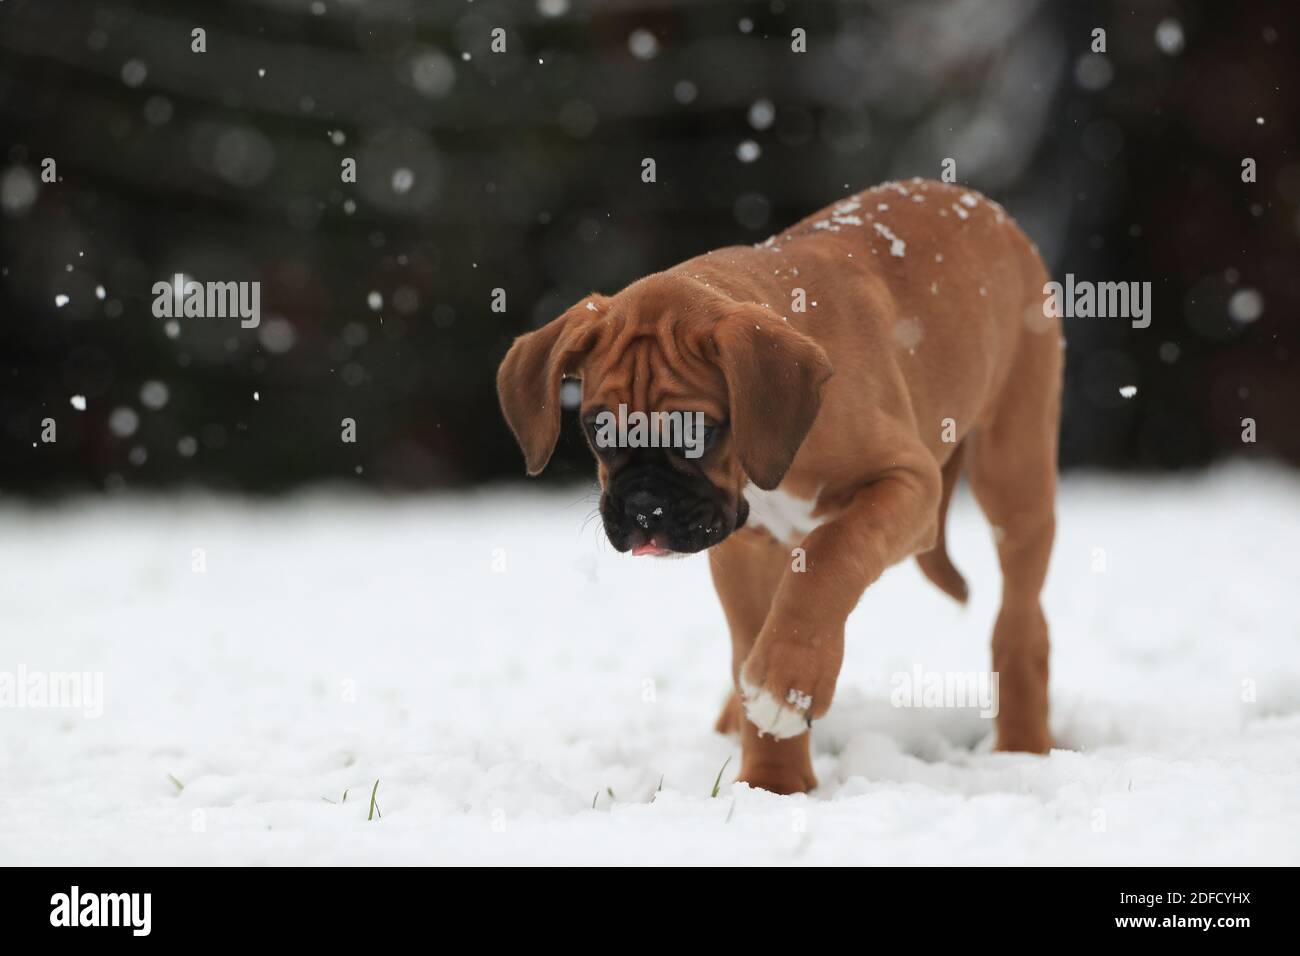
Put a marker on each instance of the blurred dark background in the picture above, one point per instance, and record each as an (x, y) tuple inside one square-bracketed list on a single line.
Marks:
[(521, 170)]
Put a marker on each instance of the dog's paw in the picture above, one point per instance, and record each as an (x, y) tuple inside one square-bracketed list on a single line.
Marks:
[(784, 686), (1031, 740), (779, 778), (781, 719)]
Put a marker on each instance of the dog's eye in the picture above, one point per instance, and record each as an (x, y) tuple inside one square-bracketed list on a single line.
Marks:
[(699, 446), (592, 433)]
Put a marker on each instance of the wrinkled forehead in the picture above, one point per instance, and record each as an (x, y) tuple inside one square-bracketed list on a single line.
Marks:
[(656, 362)]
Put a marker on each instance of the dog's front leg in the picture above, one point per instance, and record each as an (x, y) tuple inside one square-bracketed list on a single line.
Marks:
[(789, 677), (747, 570)]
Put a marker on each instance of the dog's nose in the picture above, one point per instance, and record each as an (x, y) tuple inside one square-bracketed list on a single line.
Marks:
[(645, 508)]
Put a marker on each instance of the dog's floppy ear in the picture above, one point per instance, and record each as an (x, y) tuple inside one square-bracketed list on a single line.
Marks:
[(528, 382), (774, 382)]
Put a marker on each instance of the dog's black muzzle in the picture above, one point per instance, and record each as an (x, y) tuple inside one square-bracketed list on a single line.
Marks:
[(651, 506)]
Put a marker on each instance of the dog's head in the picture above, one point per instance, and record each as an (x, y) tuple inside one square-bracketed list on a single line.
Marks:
[(687, 396)]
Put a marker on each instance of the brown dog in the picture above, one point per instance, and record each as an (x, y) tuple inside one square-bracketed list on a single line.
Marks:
[(845, 369)]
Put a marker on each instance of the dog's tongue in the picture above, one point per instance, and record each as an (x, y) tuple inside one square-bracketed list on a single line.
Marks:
[(649, 548)]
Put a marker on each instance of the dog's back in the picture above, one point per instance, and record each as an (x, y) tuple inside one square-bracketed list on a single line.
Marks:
[(923, 293)]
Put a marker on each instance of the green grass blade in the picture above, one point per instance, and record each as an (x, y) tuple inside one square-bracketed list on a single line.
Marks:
[(717, 784)]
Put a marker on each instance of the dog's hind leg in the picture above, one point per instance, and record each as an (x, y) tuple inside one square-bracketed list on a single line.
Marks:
[(746, 570), (1013, 475), (935, 563), (728, 721)]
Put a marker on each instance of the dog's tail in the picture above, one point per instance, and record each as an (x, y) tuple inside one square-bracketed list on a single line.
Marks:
[(936, 564)]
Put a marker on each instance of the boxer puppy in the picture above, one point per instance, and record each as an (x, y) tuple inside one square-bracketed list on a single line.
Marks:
[(844, 370)]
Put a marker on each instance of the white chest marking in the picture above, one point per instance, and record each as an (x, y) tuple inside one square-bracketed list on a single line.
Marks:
[(785, 517)]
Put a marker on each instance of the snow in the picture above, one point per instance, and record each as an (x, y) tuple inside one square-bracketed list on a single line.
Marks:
[(154, 395), (896, 246), (1169, 36), (1245, 306), (643, 44), (402, 180), (762, 113), (496, 666)]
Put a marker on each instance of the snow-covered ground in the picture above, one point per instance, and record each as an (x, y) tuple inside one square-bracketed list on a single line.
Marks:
[(496, 667)]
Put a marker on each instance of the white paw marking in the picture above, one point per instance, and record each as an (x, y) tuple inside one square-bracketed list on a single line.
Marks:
[(771, 716), (785, 517)]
